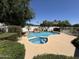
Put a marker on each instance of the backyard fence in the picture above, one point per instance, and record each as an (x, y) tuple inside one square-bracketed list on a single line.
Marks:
[(17, 29), (70, 30), (11, 29)]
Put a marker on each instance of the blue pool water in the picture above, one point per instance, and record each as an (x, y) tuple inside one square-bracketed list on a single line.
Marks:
[(38, 40), (39, 34), (39, 37)]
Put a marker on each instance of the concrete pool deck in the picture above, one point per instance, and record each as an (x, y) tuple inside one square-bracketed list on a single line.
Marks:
[(57, 44)]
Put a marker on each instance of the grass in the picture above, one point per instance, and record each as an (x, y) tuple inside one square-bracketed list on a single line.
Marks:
[(9, 36), (52, 56)]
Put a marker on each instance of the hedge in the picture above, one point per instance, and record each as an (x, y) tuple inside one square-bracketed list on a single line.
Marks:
[(9, 36), (11, 50), (52, 56)]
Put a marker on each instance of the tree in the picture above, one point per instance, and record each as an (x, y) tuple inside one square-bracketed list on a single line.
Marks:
[(55, 23), (15, 12), (76, 25), (60, 23), (44, 23), (64, 23), (48, 23)]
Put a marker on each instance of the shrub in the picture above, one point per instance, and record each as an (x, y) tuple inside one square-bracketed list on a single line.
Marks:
[(75, 42), (52, 56), (11, 50), (9, 36)]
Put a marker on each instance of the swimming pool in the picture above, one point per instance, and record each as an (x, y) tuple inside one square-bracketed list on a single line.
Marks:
[(39, 40), (40, 34), (39, 37)]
